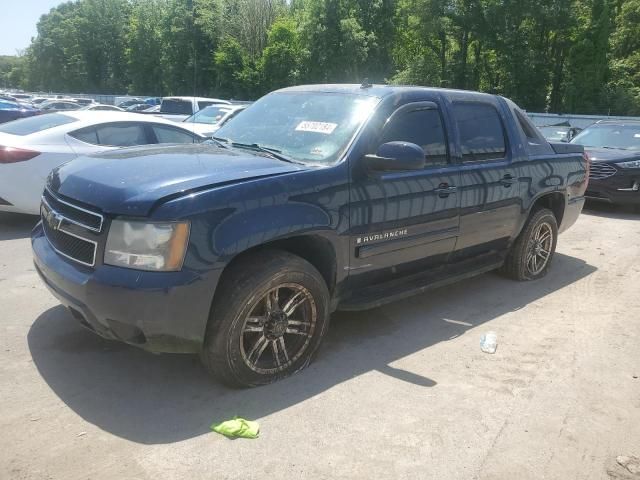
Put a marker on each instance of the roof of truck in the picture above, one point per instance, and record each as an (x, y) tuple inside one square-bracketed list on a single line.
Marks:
[(376, 90)]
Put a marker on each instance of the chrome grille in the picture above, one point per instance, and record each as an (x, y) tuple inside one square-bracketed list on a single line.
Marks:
[(73, 213), (599, 171), (70, 229)]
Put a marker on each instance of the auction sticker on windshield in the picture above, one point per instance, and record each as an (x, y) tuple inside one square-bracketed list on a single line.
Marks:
[(316, 127)]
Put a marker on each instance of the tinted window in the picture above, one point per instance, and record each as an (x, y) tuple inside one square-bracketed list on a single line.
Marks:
[(171, 135), (87, 135), (176, 107), (121, 134), (30, 125), (481, 131), (8, 105), (422, 127)]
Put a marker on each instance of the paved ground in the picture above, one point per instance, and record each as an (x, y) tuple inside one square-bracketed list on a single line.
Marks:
[(402, 391)]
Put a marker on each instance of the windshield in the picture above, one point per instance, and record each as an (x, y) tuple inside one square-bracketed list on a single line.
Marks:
[(310, 127), (209, 115), (625, 137)]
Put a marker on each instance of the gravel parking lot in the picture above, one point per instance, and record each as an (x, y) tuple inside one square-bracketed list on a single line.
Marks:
[(402, 391)]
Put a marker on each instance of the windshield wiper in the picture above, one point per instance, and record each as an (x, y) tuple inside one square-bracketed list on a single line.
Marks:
[(223, 142), (272, 152)]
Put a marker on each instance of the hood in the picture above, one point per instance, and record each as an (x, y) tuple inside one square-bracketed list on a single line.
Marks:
[(130, 181), (611, 154)]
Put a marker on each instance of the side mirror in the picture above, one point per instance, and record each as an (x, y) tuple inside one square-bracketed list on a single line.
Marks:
[(394, 156)]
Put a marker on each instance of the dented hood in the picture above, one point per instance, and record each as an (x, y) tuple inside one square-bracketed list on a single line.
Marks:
[(131, 181)]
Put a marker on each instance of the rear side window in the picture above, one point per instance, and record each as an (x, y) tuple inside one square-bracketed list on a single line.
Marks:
[(526, 126), (87, 135), (166, 134), (176, 107), (481, 132), (30, 125), (422, 127)]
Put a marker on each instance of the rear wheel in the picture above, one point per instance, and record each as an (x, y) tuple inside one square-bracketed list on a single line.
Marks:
[(267, 321), (532, 252)]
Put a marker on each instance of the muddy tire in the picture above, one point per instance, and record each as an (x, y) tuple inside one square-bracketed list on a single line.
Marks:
[(268, 319), (531, 254)]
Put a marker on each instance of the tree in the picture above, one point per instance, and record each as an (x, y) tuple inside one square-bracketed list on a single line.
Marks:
[(283, 58)]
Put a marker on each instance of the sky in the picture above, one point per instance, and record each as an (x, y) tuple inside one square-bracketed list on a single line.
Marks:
[(18, 22)]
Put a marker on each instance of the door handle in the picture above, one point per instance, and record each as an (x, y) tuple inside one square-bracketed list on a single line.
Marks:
[(508, 180), (444, 190)]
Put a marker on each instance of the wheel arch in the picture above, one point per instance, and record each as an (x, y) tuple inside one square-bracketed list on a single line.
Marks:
[(554, 201), (314, 248)]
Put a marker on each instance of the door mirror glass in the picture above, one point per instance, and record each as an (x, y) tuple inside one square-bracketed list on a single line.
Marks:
[(394, 156)]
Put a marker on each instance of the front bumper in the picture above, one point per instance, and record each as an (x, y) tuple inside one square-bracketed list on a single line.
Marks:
[(617, 189), (158, 311)]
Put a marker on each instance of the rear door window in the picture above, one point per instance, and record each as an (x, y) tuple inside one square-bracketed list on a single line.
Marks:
[(482, 135), (27, 126), (121, 134)]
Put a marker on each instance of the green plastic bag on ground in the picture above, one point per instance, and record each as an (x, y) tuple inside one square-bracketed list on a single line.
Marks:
[(237, 428)]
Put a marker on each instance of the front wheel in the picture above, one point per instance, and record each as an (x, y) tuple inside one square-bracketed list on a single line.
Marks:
[(532, 252), (267, 321)]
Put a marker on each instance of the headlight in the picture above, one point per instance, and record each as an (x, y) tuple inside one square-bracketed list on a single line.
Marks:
[(631, 164), (147, 246)]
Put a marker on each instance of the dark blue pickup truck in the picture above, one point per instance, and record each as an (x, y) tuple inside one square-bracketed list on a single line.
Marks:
[(316, 198)]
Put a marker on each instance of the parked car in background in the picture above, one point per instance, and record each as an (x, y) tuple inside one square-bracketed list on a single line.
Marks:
[(101, 107), (179, 108), (153, 101), (613, 147), (39, 100), (84, 101), (59, 106), (138, 107), (559, 133), (127, 103), (30, 148), (22, 97), (13, 110), (208, 120), (322, 197)]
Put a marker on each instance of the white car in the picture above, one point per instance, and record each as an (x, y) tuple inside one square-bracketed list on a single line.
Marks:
[(31, 147), (101, 107), (208, 120)]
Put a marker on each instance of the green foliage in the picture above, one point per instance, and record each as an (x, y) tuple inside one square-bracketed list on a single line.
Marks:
[(556, 55), (12, 71), (283, 58)]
